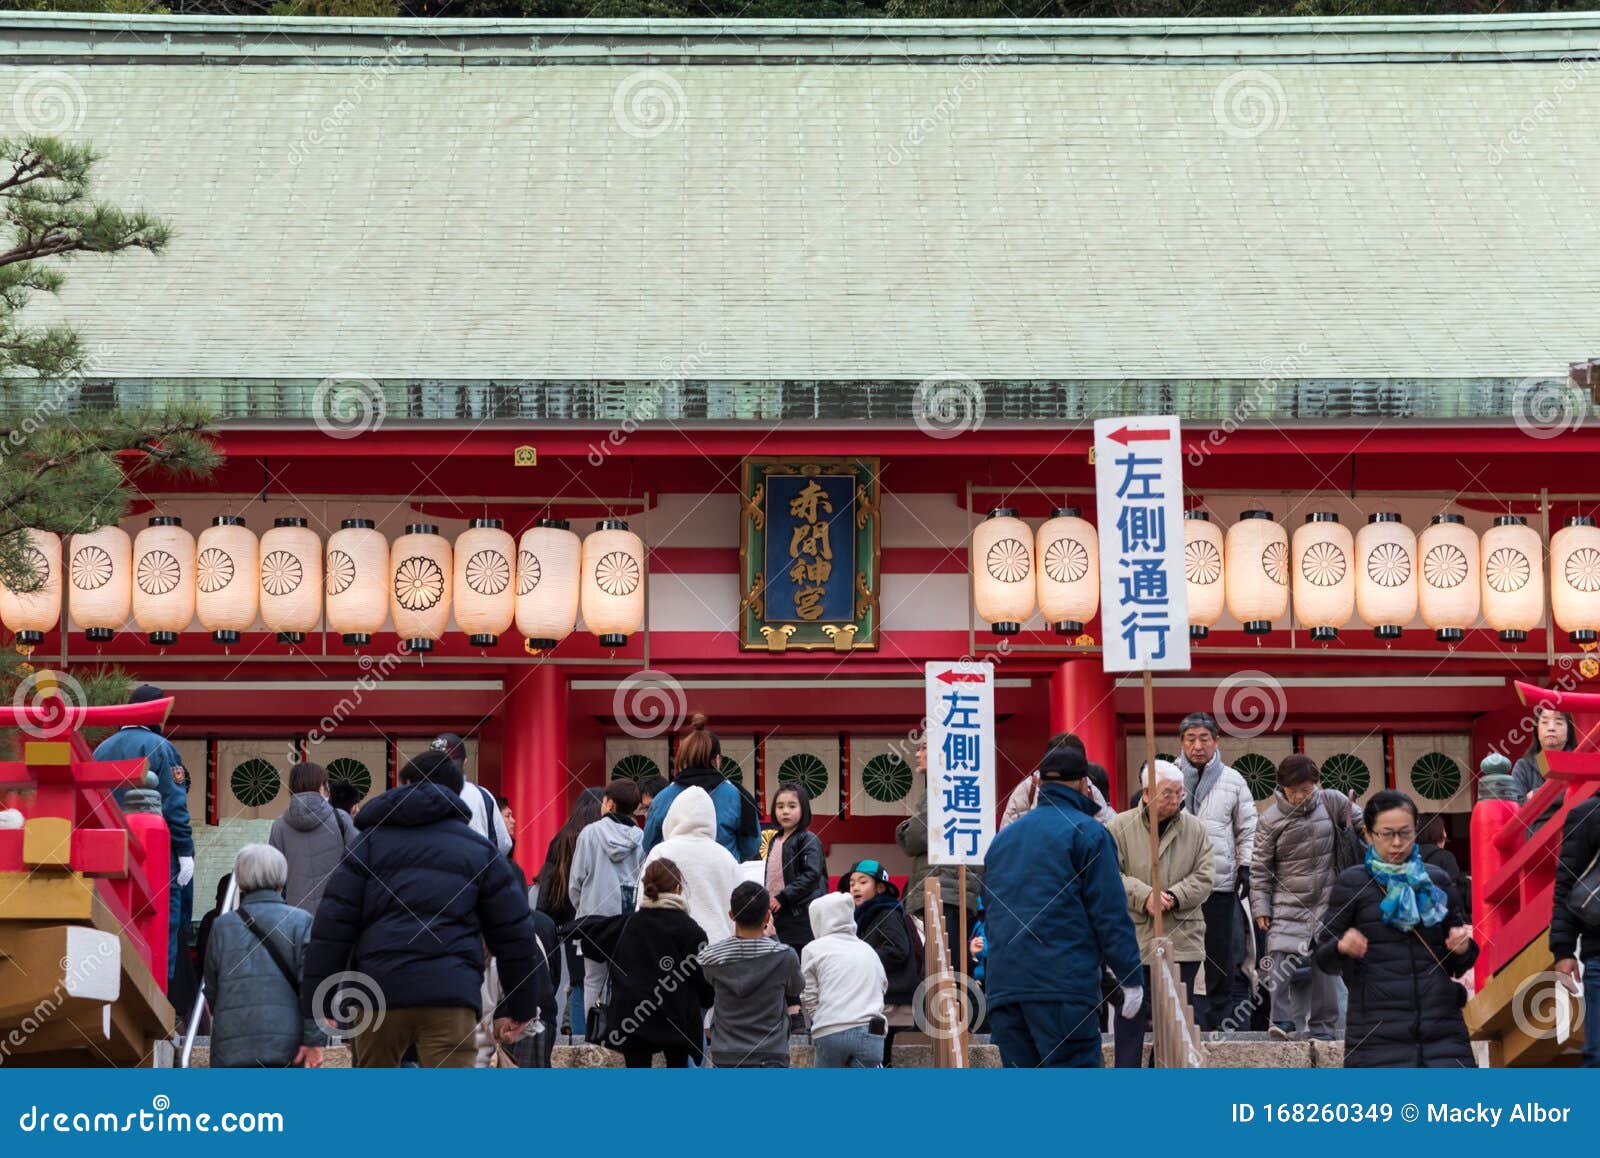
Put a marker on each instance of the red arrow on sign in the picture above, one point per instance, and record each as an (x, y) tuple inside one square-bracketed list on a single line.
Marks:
[(1127, 435), (962, 677)]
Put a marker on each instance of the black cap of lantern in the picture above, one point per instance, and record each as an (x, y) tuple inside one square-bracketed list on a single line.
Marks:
[(1580, 521), (1450, 634), (1257, 626), (1384, 517), (356, 639), (1198, 631), (225, 637), (30, 638), (1255, 514), (163, 638), (611, 525), (1322, 517), (1584, 635), (99, 635), (540, 644), (1446, 519), (422, 528), (1002, 513), (1197, 514), (1066, 513), (490, 524), (1387, 631), (555, 525), (291, 637), (1069, 627), (1006, 627), (165, 521), (288, 521), (1324, 634), (1513, 636), (362, 524), (613, 639), (483, 639), (419, 645), (1510, 521), (227, 521)]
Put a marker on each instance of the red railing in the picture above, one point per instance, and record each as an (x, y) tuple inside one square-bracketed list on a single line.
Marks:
[(127, 854), (1513, 874)]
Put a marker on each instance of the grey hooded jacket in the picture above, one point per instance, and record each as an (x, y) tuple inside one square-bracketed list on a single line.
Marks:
[(1291, 875), (255, 1013), (604, 878), (312, 835)]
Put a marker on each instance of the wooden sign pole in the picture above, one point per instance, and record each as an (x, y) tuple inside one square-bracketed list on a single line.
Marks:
[(1155, 838)]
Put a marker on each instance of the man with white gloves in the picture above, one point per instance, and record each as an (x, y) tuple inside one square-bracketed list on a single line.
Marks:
[(1055, 915), (129, 743)]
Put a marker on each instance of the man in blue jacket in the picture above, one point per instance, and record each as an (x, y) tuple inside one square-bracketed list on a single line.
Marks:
[(1055, 914), (129, 743)]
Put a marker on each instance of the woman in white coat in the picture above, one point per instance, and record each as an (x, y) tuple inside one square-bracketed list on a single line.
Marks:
[(709, 870)]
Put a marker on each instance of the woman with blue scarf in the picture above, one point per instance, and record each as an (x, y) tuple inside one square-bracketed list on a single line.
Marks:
[(1396, 934)]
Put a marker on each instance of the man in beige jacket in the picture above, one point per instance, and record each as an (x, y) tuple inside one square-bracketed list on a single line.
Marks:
[(1186, 872)]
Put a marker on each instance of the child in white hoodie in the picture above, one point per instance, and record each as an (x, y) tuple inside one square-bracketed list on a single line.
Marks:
[(844, 989), (709, 870)]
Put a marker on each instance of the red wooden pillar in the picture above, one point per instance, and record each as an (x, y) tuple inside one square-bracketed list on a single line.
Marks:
[(534, 761), (1080, 702)]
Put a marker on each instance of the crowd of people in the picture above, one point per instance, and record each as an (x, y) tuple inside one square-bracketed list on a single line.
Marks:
[(659, 925)]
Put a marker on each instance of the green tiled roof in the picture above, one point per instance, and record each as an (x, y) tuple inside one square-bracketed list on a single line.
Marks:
[(1377, 209)]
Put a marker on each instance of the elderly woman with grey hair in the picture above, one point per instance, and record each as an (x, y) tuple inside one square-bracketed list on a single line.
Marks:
[(254, 963)]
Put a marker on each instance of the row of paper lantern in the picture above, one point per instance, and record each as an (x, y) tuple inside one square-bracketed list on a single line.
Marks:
[(166, 578), (1384, 573)]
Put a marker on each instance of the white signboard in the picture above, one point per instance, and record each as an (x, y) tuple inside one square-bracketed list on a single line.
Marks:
[(961, 794), (1144, 604)]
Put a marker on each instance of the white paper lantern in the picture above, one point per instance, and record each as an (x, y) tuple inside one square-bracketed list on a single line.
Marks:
[(32, 614), (1068, 552), (1256, 563), (226, 578), (1447, 586), (1513, 577), (1386, 574), (291, 579), (163, 579), (1575, 579), (102, 582), (1202, 571), (1003, 586), (613, 582), (420, 570), (549, 570), (357, 581), (1324, 579), (485, 588)]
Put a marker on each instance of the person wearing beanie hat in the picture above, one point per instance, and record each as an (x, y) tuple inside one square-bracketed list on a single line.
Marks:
[(138, 740), (1055, 918), (1219, 796), (486, 819), (882, 923), (1186, 868)]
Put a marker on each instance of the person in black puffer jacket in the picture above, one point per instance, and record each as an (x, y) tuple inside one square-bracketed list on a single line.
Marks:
[(409, 909), (1395, 931), (1580, 845), (797, 872)]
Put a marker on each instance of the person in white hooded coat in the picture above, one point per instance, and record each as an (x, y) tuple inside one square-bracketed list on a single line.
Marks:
[(844, 987), (709, 870)]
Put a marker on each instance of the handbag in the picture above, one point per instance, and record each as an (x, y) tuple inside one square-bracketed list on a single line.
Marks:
[(1583, 899), (596, 1020), (1348, 847)]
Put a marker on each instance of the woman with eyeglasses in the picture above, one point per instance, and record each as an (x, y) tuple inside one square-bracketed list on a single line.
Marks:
[(1396, 934)]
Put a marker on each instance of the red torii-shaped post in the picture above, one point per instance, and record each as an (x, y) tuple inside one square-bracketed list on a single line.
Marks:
[(73, 787), (1514, 874)]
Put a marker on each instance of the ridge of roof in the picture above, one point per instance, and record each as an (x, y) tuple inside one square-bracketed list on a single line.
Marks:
[(120, 38)]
